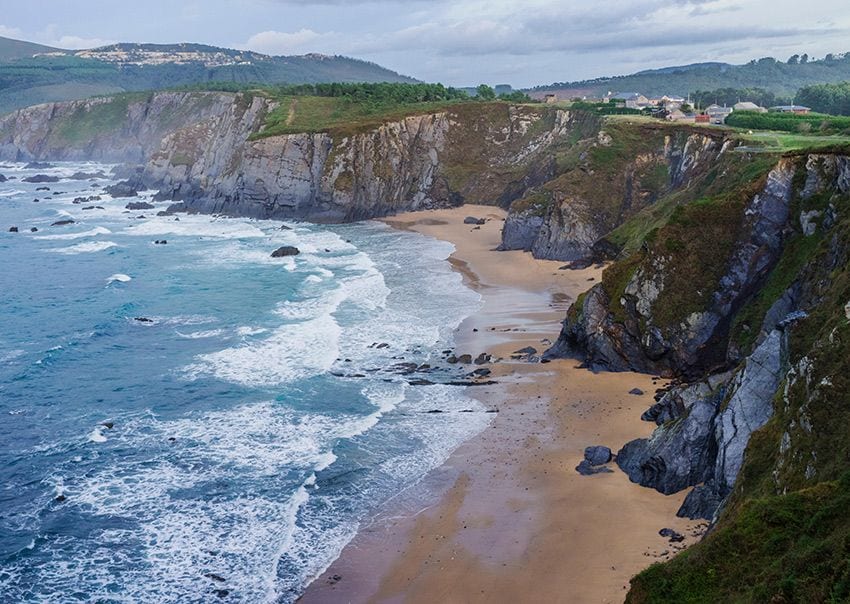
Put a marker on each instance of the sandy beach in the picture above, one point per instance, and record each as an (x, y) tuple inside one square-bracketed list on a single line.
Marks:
[(507, 518)]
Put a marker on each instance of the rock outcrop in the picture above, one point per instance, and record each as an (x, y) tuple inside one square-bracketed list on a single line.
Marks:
[(639, 328), (125, 128), (608, 178)]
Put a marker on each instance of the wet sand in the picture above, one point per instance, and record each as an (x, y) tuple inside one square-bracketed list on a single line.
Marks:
[(507, 518)]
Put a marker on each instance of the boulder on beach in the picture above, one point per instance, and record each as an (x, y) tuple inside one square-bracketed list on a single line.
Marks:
[(286, 250), (585, 468), (597, 455), (473, 220), (526, 350), (41, 178), (465, 359), (673, 536), (482, 358), (636, 391)]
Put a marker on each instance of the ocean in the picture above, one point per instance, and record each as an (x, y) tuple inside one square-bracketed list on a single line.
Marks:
[(196, 421)]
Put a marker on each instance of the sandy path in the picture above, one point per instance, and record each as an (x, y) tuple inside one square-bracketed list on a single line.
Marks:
[(507, 518)]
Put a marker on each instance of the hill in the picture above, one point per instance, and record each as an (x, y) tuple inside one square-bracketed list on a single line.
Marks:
[(47, 74), (18, 49), (780, 78)]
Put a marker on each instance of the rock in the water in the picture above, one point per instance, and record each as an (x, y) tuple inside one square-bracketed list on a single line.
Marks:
[(482, 372), (139, 205), (33, 230), (286, 250), (473, 220), (585, 468), (636, 391), (160, 242), (2, 178), (63, 222), (214, 577), (143, 320), (41, 178), (38, 165), (597, 455), (13, 229), (122, 189), (87, 175)]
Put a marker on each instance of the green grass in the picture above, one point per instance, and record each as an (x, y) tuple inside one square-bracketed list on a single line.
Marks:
[(336, 115), (781, 142), (780, 548), (101, 118)]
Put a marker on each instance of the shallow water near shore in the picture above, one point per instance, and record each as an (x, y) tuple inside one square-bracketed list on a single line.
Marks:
[(196, 419)]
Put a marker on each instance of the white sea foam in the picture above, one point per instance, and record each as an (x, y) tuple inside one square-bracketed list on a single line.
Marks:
[(70, 236), (85, 248), (250, 331), (196, 226), (96, 436), (185, 526), (292, 352), (119, 278), (198, 335)]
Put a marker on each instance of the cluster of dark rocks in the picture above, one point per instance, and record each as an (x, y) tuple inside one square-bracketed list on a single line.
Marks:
[(474, 220), (40, 178), (89, 199), (595, 458)]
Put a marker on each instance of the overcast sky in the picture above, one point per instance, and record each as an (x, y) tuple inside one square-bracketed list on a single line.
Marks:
[(458, 42)]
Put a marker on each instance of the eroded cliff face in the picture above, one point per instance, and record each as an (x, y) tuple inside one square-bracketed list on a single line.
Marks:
[(724, 296), (472, 153), (124, 128), (604, 180)]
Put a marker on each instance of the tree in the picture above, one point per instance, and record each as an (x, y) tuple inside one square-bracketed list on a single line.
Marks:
[(793, 60), (485, 93), (804, 58)]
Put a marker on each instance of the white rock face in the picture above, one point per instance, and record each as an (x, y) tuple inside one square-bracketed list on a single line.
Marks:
[(750, 407)]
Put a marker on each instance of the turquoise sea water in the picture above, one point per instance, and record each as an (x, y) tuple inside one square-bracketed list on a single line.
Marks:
[(226, 446)]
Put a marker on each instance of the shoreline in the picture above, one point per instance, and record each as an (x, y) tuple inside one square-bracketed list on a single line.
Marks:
[(507, 518)]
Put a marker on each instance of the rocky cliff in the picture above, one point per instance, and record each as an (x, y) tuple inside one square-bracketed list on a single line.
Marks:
[(743, 296), (604, 180), (210, 151), (124, 128), (468, 153)]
